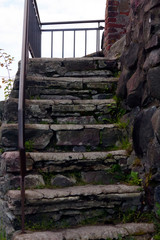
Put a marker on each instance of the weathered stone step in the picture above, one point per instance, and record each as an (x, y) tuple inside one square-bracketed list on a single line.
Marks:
[(74, 205), (52, 137), (67, 87), (66, 169), (137, 230), (72, 67), (62, 111)]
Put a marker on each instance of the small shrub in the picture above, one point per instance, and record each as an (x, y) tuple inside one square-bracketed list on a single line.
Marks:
[(134, 179), (5, 62)]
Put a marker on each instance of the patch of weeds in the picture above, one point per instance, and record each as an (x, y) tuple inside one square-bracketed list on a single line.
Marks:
[(148, 177), (47, 179), (122, 125), (109, 155), (1, 150), (2, 231), (77, 176), (158, 209), (43, 225), (134, 179), (116, 111), (136, 216), (29, 146), (117, 74), (101, 138), (137, 162), (116, 173), (126, 145), (94, 219)]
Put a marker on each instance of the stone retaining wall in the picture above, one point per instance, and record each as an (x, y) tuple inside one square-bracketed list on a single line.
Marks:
[(139, 86)]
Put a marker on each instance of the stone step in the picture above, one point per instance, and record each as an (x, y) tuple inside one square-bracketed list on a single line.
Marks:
[(62, 111), (66, 169), (67, 87), (63, 137), (140, 231), (72, 67), (57, 208)]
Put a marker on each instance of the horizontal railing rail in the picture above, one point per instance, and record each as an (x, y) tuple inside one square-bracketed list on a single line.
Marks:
[(74, 30), (32, 31)]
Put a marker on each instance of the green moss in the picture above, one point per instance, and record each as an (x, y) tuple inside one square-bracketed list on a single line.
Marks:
[(109, 155), (1, 150), (29, 146)]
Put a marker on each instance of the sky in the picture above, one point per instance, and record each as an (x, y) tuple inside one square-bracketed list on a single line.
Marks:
[(11, 12)]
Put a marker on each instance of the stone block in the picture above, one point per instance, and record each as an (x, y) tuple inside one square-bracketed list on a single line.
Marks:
[(62, 181), (89, 137), (153, 80)]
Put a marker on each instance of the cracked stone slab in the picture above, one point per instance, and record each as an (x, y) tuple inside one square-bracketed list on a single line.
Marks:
[(14, 195), (36, 110), (66, 67), (92, 232), (63, 161), (41, 135)]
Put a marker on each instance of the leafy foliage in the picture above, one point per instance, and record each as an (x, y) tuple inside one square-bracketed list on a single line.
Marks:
[(5, 62), (134, 179)]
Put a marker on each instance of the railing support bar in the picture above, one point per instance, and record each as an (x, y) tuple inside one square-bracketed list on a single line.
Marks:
[(74, 44), (51, 44), (85, 42), (98, 38), (62, 44)]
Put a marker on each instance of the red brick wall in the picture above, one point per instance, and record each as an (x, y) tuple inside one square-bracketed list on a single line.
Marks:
[(116, 20)]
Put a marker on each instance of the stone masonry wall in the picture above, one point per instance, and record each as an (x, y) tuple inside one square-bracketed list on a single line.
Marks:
[(139, 87), (116, 21)]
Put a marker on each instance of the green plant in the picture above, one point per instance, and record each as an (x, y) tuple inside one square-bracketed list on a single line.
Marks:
[(2, 231), (1, 150), (5, 62), (122, 125), (137, 162), (134, 179), (126, 145), (109, 155), (115, 110), (116, 173), (158, 209), (29, 146), (117, 74)]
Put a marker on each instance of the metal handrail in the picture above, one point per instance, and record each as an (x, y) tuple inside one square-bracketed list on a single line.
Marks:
[(32, 42), (74, 30), (21, 107)]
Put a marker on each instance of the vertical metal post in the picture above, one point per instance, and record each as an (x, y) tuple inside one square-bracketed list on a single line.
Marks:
[(21, 108), (62, 44), (85, 42), (74, 44), (98, 39), (51, 44)]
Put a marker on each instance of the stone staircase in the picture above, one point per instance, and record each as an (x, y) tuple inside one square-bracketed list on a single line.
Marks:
[(76, 164)]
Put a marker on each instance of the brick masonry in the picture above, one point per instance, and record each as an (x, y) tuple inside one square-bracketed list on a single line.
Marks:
[(116, 21)]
